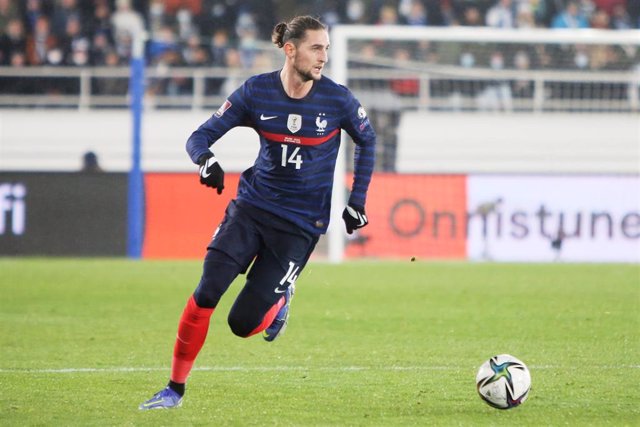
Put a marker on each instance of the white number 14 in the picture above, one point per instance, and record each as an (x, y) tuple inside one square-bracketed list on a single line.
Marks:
[(291, 275), (295, 158)]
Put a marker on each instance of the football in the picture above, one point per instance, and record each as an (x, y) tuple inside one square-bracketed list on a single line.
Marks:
[(503, 381)]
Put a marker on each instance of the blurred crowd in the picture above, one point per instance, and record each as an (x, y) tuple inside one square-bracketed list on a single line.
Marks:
[(226, 32)]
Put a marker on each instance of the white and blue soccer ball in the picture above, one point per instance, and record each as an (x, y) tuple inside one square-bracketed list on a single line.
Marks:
[(503, 381)]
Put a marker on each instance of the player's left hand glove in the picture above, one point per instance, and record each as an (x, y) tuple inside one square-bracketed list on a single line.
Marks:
[(211, 174), (354, 218)]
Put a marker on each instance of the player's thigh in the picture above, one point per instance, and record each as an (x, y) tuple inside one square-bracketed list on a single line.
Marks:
[(278, 264), (237, 236), (218, 272), (276, 267)]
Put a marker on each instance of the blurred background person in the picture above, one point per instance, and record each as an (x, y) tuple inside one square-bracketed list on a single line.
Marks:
[(570, 17), (90, 163)]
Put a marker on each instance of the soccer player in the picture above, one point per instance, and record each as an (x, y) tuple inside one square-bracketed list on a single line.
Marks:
[(283, 200)]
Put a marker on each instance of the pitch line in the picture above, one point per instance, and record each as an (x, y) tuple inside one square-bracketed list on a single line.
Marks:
[(123, 369), (229, 369)]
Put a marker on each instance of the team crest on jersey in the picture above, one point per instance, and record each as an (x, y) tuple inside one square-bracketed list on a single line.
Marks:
[(224, 107), (294, 122), (321, 124)]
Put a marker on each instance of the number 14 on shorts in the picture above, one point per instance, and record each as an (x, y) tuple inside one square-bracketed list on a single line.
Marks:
[(290, 277)]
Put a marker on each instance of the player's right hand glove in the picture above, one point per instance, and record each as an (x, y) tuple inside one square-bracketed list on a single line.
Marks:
[(211, 174), (354, 218)]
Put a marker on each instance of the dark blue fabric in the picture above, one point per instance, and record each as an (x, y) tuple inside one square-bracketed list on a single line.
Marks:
[(292, 176)]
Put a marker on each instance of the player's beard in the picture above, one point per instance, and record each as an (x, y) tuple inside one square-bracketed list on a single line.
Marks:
[(305, 76)]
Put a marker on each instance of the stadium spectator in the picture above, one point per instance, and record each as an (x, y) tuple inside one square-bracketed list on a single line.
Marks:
[(50, 33), (388, 15), (471, 17), (100, 21), (413, 12), (185, 24), (74, 44), (586, 8), (126, 24), (447, 13), (581, 59), (570, 17), (501, 15), (33, 10), (100, 47), (164, 40), (193, 53), (155, 16), (219, 47), (42, 45), (356, 12), (12, 41), (620, 18), (247, 32), (600, 20), (522, 88), (18, 59), (496, 95), (8, 11), (62, 13), (525, 16)]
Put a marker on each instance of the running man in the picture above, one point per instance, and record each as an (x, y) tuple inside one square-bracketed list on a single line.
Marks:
[(283, 200)]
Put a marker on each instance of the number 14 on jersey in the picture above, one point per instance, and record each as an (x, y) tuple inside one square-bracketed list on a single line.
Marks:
[(294, 158)]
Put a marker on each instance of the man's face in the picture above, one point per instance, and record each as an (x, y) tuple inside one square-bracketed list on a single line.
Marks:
[(311, 55)]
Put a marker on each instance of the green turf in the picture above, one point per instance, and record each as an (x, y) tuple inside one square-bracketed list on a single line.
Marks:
[(371, 343)]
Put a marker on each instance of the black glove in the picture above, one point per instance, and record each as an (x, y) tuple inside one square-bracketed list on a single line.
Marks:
[(211, 174), (354, 218)]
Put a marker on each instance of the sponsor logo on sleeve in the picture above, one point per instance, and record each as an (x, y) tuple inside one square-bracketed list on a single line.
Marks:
[(224, 107)]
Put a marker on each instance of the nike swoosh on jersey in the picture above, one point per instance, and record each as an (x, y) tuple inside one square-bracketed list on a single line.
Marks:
[(263, 117), (280, 291)]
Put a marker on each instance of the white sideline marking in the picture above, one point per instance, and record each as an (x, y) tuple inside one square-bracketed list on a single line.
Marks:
[(228, 369), (277, 368)]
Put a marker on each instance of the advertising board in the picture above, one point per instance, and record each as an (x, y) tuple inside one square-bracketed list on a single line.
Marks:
[(63, 214)]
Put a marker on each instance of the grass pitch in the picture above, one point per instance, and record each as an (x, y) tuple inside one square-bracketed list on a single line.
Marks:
[(369, 343)]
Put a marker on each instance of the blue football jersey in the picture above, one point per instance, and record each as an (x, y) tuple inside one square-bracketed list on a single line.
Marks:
[(292, 176)]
